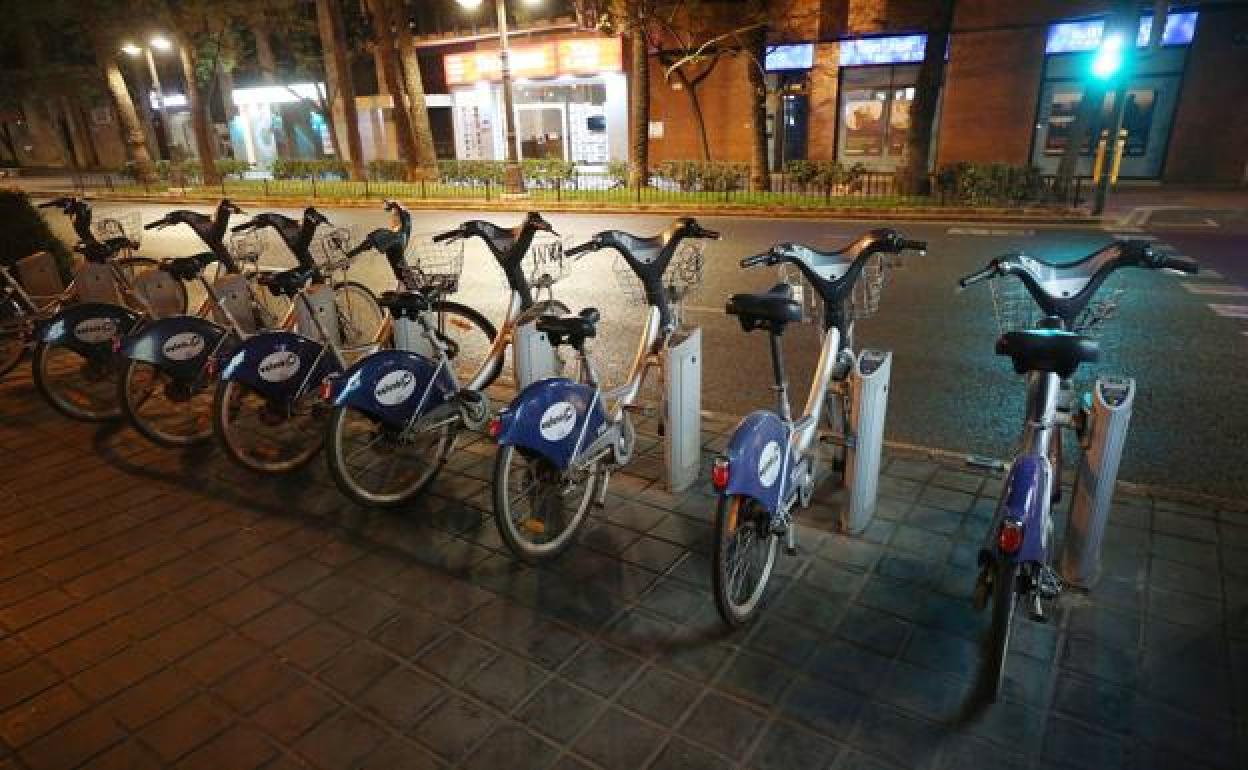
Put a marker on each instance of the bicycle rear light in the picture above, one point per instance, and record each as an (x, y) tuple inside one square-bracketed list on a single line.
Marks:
[(1010, 536), (496, 427), (720, 472)]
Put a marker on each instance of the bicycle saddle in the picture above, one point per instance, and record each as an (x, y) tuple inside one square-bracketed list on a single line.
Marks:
[(404, 304), (288, 282), (569, 329), (772, 310), (1047, 350), (188, 268)]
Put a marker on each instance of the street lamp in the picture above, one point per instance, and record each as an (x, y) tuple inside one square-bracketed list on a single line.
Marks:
[(513, 176), (159, 43)]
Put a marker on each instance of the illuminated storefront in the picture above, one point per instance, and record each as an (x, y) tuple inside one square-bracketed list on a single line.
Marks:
[(1151, 97), (571, 101)]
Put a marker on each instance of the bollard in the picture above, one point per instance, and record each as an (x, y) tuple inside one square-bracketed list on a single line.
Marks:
[(682, 417), (868, 388), (1112, 400)]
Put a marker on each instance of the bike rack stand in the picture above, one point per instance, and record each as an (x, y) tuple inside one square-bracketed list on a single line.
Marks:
[(868, 388), (534, 357), (1112, 401), (235, 295), (96, 283), (682, 420), (321, 298), (39, 275)]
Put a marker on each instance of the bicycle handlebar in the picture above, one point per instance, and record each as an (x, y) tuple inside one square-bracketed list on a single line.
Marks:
[(987, 273), (1181, 264), (584, 248), (448, 235), (756, 260), (919, 246)]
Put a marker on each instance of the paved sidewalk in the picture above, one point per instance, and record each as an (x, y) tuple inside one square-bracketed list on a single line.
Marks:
[(165, 609)]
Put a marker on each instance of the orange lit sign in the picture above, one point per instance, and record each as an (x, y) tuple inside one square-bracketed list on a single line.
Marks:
[(584, 56)]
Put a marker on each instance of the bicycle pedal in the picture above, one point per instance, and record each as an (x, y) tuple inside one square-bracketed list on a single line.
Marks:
[(1048, 584)]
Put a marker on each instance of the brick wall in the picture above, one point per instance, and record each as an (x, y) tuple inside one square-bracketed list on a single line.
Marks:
[(823, 84), (725, 100), (1209, 139)]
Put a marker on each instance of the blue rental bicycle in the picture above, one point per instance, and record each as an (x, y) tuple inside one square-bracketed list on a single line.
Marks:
[(770, 466), (560, 439), (1014, 558), (267, 409), (397, 412)]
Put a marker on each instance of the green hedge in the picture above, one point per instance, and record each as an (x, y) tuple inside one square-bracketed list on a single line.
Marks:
[(979, 184), (25, 232), (184, 170), (824, 174), (322, 168), (713, 176)]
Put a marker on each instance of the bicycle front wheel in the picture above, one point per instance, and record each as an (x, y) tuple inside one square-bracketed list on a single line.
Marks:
[(997, 644), (264, 435), (79, 387), (745, 552), (167, 411), (538, 507), (359, 315), (379, 465), (470, 337), (12, 335)]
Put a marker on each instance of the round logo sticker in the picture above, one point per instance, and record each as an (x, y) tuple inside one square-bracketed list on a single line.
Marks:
[(184, 346), (557, 421), (93, 331), (769, 464), (395, 388), (279, 366)]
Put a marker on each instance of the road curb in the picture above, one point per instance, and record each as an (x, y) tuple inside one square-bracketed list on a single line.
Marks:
[(917, 214)]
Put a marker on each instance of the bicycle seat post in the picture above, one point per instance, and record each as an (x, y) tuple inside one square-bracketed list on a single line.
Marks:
[(781, 387)]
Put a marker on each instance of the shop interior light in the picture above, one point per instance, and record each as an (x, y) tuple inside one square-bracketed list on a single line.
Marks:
[(130, 49), (1108, 58), (160, 43)]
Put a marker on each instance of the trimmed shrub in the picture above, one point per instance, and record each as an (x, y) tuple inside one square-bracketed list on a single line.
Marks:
[(697, 175), (387, 170), (25, 232)]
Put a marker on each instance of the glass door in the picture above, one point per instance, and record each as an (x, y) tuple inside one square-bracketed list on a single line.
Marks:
[(541, 131)]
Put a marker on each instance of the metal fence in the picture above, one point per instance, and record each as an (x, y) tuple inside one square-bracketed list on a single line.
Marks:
[(867, 189)]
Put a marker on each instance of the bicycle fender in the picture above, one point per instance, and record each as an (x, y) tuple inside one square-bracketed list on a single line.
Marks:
[(756, 454), (89, 328), (394, 386), (555, 418), (279, 365), (1026, 493), (179, 345)]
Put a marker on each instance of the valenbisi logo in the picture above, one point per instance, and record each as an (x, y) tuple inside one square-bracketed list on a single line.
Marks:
[(184, 346), (769, 464), (93, 331), (557, 421), (279, 366), (395, 387)]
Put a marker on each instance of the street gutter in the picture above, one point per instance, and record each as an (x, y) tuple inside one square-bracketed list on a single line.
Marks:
[(1068, 217)]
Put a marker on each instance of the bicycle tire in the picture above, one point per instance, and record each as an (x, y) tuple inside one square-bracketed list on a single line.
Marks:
[(108, 408), (12, 335), (126, 396), (997, 643), (470, 317), (510, 529), (349, 481), (372, 314), (728, 520), (221, 427)]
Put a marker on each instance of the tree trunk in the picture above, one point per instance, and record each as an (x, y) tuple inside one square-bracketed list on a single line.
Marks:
[(760, 173), (265, 58), (84, 142), (392, 71), (7, 137), (225, 84), (338, 74), (638, 102), (913, 178), (127, 116), (422, 134), (201, 123)]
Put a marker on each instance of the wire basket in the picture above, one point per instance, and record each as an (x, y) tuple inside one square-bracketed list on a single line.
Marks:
[(682, 277), (246, 247), (119, 224), (546, 262), (864, 300), (1016, 310), (330, 250), (434, 265)]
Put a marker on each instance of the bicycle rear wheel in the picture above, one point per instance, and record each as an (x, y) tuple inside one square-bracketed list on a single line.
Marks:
[(745, 552), (359, 315), (265, 436), (997, 643), (79, 387), (379, 465), (167, 411), (12, 335), (539, 508)]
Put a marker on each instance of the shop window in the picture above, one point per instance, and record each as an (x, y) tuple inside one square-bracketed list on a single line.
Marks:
[(1137, 119), (864, 121)]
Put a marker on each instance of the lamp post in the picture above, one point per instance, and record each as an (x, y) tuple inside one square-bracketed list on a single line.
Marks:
[(1112, 64), (513, 175), (162, 44)]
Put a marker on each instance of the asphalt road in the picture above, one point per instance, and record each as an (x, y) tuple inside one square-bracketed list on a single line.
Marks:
[(949, 390)]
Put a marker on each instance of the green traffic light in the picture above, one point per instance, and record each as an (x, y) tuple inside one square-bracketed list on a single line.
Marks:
[(1108, 59)]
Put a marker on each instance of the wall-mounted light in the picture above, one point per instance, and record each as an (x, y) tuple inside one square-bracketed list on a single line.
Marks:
[(130, 49)]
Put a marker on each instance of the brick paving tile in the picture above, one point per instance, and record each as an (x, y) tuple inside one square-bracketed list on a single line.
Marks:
[(165, 620)]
